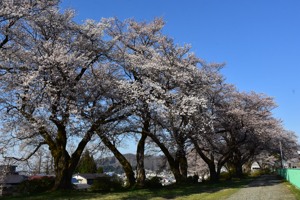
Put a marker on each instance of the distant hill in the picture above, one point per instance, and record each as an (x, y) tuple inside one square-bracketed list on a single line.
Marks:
[(109, 164)]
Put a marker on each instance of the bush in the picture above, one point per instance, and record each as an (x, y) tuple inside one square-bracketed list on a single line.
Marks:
[(154, 182), (267, 171), (106, 184), (257, 172), (225, 176), (193, 179), (260, 172), (37, 185)]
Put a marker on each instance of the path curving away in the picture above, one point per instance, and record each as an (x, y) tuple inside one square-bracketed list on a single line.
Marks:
[(266, 187)]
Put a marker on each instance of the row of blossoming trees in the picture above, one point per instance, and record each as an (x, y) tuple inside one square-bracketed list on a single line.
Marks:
[(64, 83)]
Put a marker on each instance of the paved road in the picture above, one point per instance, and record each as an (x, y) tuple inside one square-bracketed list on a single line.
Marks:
[(267, 187)]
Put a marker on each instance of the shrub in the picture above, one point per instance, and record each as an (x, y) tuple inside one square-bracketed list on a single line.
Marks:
[(100, 170), (106, 184), (257, 172), (225, 176), (260, 172), (267, 171), (193, 179), (37, 185), (154, 182)]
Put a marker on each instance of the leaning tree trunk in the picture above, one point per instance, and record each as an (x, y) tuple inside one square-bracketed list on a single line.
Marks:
[(130, 182), (173, 163), (175, 168), (214, 175), (140, 169)]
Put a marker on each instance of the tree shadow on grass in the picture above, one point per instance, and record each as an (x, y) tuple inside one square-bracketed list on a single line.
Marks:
[(176, 191), (166, 192)]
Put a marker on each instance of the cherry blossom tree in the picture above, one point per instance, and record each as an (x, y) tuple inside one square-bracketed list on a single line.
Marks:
[(164, 82), (134, 41), (281, 146), (250, 123), (56, 88), (206, 135), (237, 126)]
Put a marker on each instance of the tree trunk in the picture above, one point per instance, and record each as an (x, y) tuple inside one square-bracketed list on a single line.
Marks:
[(181, 158), (238, 164), (140, 170), (214, 176), (64, 164), (130, 182), (140, 152), (177, 174), (63, 171), (173, 163), (238, 170), (183, 167), (63, 179)]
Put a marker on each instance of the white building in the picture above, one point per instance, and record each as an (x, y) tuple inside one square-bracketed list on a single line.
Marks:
[(84, 181)]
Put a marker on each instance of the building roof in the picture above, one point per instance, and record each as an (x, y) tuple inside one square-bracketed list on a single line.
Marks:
[(40, 177)]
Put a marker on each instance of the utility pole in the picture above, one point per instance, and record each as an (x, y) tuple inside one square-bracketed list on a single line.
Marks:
[(281, 157)]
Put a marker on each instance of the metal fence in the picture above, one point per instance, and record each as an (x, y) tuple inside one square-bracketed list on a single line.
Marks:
[(291, 175)]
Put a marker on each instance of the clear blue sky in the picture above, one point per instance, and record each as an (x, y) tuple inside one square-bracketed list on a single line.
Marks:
[(259, 40)]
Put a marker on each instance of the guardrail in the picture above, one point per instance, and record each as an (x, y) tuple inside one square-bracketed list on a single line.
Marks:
[(291, 175)]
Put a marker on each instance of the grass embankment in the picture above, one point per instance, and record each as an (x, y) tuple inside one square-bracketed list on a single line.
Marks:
[(201, 191), (293, 189)]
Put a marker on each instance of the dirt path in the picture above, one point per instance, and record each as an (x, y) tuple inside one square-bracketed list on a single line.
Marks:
[(267, 187)]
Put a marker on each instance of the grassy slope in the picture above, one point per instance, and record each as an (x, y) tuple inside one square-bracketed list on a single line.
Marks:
[(187, 192), (293, 189)]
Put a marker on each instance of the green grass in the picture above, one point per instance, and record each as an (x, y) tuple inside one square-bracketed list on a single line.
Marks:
[(184, 192), (293, 189)]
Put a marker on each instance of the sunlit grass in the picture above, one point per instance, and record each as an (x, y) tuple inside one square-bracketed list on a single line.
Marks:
[(293, 189)]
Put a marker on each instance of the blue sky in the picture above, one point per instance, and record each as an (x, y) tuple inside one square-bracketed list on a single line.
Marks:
[(259, 40)]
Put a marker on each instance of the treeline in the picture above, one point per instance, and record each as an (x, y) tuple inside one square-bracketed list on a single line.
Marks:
[(65, 84)]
